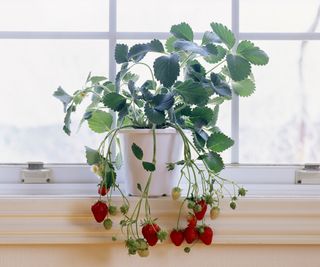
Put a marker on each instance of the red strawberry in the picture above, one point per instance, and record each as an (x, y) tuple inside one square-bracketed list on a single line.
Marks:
[(100, 211), (102, 190), (192, 220), (177, 237), (206, 235), (149, 232), (200, 214), (190, 234)]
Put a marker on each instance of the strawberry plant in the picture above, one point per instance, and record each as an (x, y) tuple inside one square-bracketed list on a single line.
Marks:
[(188, 82)]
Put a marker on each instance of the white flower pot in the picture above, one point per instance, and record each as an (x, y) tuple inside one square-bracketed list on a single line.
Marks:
[(169, 146)]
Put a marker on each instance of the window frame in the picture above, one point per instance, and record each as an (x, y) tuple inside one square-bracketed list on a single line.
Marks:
[(78, 173)]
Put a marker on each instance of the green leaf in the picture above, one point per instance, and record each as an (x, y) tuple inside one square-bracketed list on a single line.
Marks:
[(138, 51), (110, 177), (215, 114), (239, 67), (225, 35), (195, 71), (244, 88), (118, 161), (214, 162), (156, 46), (182, 31), (166, 69), (92, 155), (148, 166), (153, 115), (130, 77), (219, 142), (221, 53), (163, 101), (170, 44), (193, 93), (252, 53), (137, 151), (63, 96), (121, 53), (210, 37), (114, 101), (190, 47), (67, 120), (100, 121), (97, 79), (201, 116)]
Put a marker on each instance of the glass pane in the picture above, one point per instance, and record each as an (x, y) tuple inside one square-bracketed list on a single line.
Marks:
[(57, 15), (31, 118), (158, 16), (224, 120), (280, 122), (277, 16)]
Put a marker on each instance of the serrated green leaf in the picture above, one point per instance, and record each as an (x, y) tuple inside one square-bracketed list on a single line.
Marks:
[(114, 101), (225, 35), (110, 177), (63, 96), (129, 76), (244, 88), (100, 121), (198, 141), (221, 53), (163, 101), (118, 161), (67, 120), (195, 71), (148, 166), (190, 47), (215, 114), (219, 142), (252, 53), (138, 51), (201, 116), (210, 37), (137, 151), (239, 67), (92, 155), (214, 161), (156, 46), (121, 53), (167, 69), (170, 44), (182, 31), (154, 116), (193, 93), (97, 79)]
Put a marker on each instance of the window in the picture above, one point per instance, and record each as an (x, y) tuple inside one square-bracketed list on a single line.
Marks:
[(45, 44)]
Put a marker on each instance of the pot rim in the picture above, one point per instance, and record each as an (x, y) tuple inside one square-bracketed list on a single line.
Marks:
[(168, 130)]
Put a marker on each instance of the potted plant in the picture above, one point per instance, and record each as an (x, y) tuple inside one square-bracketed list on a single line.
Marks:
[(166, 124)]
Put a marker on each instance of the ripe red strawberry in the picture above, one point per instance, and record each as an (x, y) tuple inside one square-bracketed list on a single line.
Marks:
[(149, 232), (206, 235), (100, 211), (177, 237), (192, 220), (102, 190), (190, 234), (200, 214)]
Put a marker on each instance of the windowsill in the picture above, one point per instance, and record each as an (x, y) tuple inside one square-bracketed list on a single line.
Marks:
[(67, 220)]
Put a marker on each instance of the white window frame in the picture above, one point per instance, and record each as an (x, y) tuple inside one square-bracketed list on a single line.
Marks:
[(80, 173)]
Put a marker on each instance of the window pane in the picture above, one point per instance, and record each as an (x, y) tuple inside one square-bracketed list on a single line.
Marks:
[(57, 15), (277, 16), (158, 16), (280, 122), (31, 118)]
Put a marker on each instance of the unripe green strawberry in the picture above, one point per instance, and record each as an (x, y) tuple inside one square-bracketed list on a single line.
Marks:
[(143, 253), (214, 212), (187, 249), (107, 223), (124, 209), (242, 192), (113, 210), (176, 193), (191, 204), (233, 205)]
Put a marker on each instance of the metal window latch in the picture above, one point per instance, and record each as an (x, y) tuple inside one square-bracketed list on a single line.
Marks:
[(36, 174), (310, 174)]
